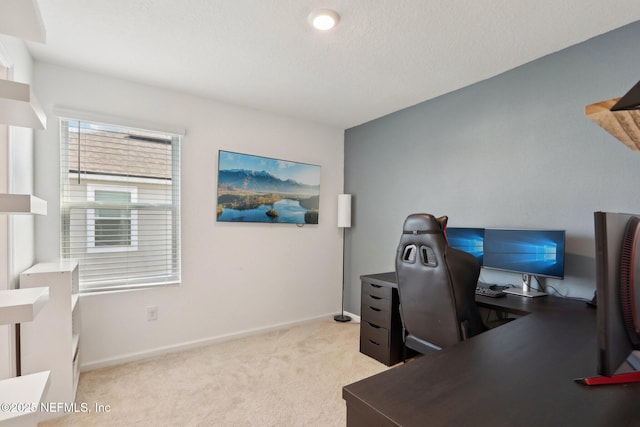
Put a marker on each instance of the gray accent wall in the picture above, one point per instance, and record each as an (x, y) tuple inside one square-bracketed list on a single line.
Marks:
[(513, 151)]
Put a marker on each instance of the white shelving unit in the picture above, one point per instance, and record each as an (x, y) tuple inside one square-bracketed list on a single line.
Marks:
[(22, 19), (22, 204), (51, 341), (21, 305), (19, 107), (24, 394)]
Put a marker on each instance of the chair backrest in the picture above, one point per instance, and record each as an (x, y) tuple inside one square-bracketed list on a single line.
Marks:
[(436, 285)]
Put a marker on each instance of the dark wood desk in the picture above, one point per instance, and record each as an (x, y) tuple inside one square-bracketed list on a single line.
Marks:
[(519, 374)]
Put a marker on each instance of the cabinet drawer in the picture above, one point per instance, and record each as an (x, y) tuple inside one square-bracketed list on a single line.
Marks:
[(375, 315), (375, 333), (376, 302), (373, 349), (376, 290)]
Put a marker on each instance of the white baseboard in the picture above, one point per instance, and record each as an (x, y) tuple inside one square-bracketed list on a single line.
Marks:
[(132, 357), (354, 317)]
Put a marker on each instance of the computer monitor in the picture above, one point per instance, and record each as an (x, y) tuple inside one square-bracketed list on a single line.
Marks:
[(617, 238), (470, 240), (529, 252)]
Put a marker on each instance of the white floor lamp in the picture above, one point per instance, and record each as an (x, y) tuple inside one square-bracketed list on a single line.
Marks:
[(344, 221)]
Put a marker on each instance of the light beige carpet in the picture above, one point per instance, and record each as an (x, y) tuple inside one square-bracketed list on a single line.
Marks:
[(291, 377)]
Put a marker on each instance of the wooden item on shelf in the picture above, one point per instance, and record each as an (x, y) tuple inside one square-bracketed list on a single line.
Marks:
[(620, 117), (623, 125)]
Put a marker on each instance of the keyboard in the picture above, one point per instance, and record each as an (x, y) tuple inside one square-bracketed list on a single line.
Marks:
[(488, 292)]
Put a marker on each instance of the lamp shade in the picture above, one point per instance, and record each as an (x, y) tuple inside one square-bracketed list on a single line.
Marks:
[(344, 210)]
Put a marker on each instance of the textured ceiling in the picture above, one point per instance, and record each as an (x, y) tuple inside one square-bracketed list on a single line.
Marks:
[(383, 56)]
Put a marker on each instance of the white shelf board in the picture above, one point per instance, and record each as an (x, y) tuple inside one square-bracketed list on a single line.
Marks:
[(22, 204), (19, 106), (22, 19), (26, 391), (61, 266), (21, 305)]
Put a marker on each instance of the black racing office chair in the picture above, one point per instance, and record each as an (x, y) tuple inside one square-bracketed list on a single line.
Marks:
[(436, 285)]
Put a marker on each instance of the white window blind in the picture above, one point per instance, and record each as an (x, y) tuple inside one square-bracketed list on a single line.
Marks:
[(120, 204)]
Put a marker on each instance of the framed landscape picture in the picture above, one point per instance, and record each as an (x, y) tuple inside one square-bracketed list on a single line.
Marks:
[(262, 189)]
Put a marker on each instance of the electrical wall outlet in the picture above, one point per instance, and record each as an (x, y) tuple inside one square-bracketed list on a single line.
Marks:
[(152, 313)]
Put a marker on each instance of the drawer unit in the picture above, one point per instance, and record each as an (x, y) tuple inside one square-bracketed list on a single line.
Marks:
[(376, 334), (377, 290), (376, 316), (374, 349), (380, 324)]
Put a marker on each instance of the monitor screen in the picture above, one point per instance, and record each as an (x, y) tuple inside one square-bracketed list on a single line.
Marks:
[(536, 252), (470, 240)]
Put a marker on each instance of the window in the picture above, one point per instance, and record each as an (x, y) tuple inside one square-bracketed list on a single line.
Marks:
[(120, 204), (116, 228)]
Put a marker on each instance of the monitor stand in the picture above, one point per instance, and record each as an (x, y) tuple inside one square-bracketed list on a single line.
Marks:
[(622, 378), (526, 289)]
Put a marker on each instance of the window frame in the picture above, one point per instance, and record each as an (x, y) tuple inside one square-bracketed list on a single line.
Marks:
[(168, 268)]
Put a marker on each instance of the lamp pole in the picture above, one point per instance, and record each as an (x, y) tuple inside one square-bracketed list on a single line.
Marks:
[(344, 221)]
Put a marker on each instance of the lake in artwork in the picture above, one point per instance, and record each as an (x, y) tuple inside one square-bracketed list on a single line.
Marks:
[(261, 189), (288, 211)]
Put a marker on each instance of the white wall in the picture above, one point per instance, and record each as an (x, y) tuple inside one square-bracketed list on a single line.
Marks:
[(236, 278), (16, 170)]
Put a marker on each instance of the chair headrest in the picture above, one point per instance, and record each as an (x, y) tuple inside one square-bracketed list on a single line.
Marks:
[(424, 224)]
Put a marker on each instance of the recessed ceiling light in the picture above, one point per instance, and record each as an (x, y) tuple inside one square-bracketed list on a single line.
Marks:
[(324, 19)]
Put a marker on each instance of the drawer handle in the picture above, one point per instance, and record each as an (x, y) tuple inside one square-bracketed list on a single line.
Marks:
[(375, 286), (373, 342), (373, 326), (374, 309), (375, 297)]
